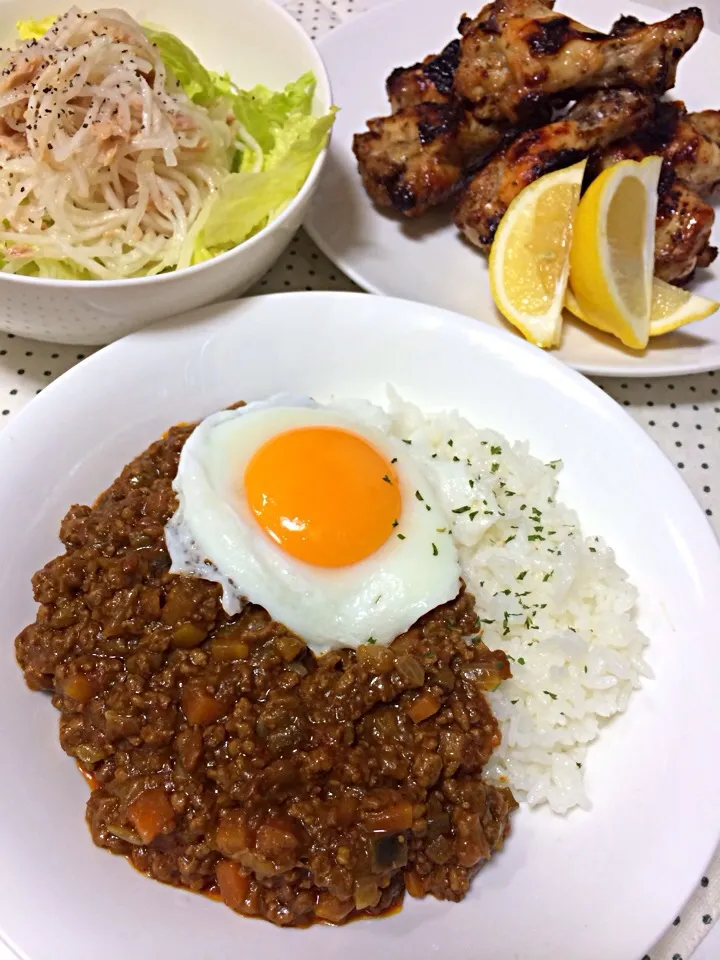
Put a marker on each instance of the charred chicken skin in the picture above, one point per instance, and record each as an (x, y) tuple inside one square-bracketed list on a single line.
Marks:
[(411, 160), (428, 82), (517, 52), (693, 148), (415, 159), (595, 121)]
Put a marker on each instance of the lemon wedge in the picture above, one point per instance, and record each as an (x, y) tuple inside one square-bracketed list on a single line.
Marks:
[(612, 255), (529, 258), (671, 307)]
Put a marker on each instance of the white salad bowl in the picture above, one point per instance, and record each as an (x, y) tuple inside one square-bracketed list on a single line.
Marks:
[(255, 42)]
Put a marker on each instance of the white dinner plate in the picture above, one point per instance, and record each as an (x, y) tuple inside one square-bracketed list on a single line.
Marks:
[(598, 885), (426, 259)]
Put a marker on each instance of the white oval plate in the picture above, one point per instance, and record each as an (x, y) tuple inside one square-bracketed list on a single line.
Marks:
[(426, 259), (593, 886)]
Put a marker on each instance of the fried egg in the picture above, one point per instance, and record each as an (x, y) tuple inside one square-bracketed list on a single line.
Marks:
[(316, 514)]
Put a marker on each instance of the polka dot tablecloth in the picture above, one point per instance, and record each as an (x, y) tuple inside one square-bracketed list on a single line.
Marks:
[(681, 415)]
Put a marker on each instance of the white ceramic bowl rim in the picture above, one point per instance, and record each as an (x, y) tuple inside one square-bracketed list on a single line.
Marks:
[(325, 91)]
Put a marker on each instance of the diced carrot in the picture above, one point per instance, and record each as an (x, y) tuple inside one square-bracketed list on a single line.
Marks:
[(288, 646), (423, 707), (331, 909), (78, 687), (226, 648), (345, 811), (188, 635), (232, 836), (201, 707), (151, 813), (234, 884), (414, 885), (394, 819)]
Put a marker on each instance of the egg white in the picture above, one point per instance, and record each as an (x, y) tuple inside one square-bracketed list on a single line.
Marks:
[(214, 535)]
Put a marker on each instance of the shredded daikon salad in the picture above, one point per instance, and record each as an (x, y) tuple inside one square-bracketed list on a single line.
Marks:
[(122, 156)]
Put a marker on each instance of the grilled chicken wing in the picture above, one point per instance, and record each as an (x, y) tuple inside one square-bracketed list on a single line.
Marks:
[(428, 82), (411, 160), (516, 53), (683, 229), (693, 147), (708, 123), (684, 221), (595, 121), (415, 158)]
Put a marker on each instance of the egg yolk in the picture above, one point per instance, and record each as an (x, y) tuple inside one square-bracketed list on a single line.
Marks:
[(323, 494)]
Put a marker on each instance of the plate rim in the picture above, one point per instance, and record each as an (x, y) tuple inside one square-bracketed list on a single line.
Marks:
[(479, 331)]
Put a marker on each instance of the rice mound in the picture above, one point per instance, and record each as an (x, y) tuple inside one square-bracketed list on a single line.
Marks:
[(554, 600)]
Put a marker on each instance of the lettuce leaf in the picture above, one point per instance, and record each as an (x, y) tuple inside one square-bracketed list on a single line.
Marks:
[(246, 201), (53, 269), (34, 29), (196, 81), (262, 111)]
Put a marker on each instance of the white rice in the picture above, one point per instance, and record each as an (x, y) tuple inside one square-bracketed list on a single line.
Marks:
[(554, 600)]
